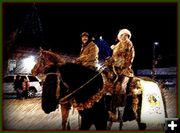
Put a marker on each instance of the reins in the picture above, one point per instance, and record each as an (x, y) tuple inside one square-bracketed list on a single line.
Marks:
[(75, 91)]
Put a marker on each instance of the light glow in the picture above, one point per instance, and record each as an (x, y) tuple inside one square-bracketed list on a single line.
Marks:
[(28, 63), (156, 43)]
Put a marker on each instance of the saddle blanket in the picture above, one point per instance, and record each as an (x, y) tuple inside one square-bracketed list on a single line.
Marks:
[(152, 110)]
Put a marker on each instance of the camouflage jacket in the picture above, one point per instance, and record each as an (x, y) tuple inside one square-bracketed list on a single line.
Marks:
[(89, 55), (123, 56)]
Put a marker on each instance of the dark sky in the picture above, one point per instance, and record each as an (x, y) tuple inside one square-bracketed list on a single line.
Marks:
[(62, 25)]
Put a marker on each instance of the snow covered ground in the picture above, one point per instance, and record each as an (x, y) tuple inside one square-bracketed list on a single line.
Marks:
[(28, 115)]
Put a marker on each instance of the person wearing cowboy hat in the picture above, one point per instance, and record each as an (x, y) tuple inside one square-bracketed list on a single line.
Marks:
[(89, 52)]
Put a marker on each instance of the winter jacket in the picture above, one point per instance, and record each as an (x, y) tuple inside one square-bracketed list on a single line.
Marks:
[(89, 55), (123, 56)]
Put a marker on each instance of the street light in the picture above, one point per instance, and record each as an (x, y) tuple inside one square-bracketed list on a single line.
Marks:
[(154, 59), (154, 49)]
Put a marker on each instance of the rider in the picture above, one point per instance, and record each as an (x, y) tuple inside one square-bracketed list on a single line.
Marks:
[(122, 59), (89, 52), (120, 64)]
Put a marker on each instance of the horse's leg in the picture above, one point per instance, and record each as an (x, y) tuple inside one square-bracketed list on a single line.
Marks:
[(101, 121), (86, 119), (142, 126), (109, 125), (79, 120), (65, 113), (100, 115)]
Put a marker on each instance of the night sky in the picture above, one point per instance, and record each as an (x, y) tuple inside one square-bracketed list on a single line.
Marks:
[(62, 24)]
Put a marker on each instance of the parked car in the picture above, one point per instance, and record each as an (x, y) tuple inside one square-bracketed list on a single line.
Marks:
[(35, 88)]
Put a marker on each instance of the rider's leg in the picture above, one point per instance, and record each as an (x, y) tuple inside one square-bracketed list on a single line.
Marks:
[(116, 73), (124, 83), (86, 119)]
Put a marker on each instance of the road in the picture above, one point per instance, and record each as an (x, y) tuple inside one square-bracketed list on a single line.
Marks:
[(28, 115)]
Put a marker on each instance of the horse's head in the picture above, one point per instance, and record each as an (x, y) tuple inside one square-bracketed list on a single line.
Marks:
[(53, 89), (44, 60), (50, 100)]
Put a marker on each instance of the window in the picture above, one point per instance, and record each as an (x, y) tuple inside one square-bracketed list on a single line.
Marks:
[(33, 79), (24, 77)]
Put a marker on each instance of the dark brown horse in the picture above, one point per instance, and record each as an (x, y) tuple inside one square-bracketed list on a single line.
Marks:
[(45, 59), (63, 79)]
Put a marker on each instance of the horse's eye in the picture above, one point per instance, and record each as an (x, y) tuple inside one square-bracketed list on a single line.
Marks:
[(39, 59), (42, 60)]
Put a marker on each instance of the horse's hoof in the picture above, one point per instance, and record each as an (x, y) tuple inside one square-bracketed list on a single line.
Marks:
[(142, 126)]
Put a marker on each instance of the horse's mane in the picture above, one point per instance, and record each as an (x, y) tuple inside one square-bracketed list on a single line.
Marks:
[(56, 58)]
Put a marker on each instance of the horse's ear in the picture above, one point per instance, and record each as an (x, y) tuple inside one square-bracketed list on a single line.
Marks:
[(40, 48)]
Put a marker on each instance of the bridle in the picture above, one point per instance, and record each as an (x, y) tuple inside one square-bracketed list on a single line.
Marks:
[(42, 62), (58, 81)]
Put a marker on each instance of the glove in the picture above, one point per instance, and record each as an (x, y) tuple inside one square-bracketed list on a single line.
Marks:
[(109, 61)]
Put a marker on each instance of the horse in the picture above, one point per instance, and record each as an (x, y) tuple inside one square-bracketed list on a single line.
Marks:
[(141, 93), (133, 85), (65, 78), (45, 59)]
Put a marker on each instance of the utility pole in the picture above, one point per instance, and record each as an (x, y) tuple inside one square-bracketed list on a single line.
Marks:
[(154, 62)]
